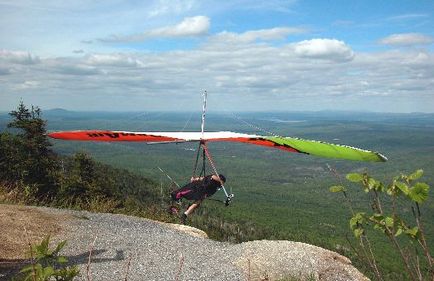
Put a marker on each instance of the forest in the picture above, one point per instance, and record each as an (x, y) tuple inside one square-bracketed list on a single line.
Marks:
[(277, 195)]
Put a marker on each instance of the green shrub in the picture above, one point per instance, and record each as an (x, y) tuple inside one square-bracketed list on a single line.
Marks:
[(387, 217), (47, 264)]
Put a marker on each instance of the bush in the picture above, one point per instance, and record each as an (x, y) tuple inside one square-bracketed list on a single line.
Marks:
[(47, 264), (386, 217)]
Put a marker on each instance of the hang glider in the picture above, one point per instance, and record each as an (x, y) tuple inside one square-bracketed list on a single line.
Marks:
[(289, 144)]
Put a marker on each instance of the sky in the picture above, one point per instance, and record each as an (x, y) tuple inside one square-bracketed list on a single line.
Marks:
[(275, 55)]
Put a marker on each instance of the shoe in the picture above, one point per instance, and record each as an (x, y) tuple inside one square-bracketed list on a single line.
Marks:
[(183, 218), (173, 210)]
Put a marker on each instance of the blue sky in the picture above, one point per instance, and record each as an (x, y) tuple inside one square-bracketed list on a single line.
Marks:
[(249, 55)]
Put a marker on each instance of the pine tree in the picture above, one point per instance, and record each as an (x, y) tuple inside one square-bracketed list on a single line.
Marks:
[(26, 155)]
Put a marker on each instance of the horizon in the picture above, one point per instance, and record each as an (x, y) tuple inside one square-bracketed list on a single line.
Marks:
[(279, 55), (227, 112)]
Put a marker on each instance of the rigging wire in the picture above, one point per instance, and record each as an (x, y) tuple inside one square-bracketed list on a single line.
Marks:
[(145, 116), (197, 161), (211, 161), (188, 122), (169, 177), (257, 128)]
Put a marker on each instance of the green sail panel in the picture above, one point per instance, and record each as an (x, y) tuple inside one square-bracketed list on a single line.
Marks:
[(328, 150)]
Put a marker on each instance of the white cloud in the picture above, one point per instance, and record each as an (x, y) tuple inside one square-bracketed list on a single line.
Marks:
[(165, 7), (407, 39), (122, 60), (4, 71), (245, 69), (251, 76), (18, 57), (329, 49), (193, 26), (405, 17), (260, 34), (189, 27), (53, 28), (28, 85), (282, 6), (76, 69)]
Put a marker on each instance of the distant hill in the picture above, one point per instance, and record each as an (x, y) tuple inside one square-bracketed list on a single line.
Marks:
[(56, 111)]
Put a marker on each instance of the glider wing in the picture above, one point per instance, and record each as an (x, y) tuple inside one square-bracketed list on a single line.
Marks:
[(289, 144), (100, 135), (317, 148)]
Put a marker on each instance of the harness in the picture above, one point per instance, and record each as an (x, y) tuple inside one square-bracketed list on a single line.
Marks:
[(203, 149)]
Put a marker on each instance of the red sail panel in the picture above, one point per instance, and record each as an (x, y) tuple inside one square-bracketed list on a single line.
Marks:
[(98, 135), (257, 141)]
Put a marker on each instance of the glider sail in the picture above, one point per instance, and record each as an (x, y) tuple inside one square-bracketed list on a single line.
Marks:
[(289, 144)]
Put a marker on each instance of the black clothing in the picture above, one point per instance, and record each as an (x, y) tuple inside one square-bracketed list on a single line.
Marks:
[(197, 190)]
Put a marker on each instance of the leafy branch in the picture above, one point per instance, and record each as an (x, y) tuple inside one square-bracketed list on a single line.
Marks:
[(390, 222), (48, 264)]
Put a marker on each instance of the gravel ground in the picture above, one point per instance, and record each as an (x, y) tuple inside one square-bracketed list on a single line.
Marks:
[(158, 251)]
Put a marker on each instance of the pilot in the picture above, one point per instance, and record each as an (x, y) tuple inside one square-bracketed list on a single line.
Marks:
[(198, 189)]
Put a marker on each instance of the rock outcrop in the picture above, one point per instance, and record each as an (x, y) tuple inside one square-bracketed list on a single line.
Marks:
[(158, 251)]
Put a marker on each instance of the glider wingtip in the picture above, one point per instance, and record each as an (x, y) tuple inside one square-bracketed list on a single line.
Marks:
[(379, 157), (53, 135), (382, 157)]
